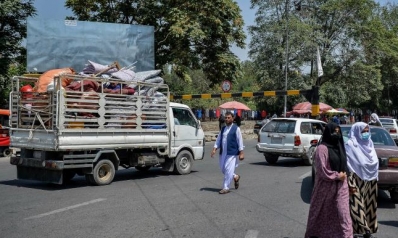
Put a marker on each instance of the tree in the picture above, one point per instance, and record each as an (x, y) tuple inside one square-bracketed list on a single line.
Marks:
[(188, 34), (13, 17), (343, 30)]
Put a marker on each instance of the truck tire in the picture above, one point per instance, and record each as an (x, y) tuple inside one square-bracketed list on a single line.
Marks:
[(103, 173), (7, 152), (271, 158), (142, 169), (183, 162)]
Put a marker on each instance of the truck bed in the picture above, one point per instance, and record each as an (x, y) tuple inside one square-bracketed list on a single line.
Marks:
[(81, 120)]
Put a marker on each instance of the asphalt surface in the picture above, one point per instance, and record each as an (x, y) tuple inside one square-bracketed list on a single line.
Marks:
[(272, 201)]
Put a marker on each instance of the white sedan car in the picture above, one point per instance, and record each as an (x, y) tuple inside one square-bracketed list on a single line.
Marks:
[(391, 126)]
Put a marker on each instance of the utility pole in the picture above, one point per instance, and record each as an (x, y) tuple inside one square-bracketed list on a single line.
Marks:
[(287, 53)]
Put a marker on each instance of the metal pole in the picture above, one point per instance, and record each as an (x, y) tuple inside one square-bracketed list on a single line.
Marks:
[(287, 53)]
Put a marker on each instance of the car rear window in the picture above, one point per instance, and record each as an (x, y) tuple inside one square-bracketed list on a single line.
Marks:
[(280, 126), (387, 121)]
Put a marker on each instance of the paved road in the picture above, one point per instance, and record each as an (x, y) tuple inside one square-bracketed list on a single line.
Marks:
[(272, 201)]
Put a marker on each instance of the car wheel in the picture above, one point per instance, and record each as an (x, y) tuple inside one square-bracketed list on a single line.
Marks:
[(183, 162), (7, 152), (307, 158), (271, 158), (394, 195)]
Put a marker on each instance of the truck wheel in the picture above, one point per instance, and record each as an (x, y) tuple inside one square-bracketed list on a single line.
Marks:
[(394, 195), (271, 158), (6, 152), (142, 169), (183, 162), (104, 172)]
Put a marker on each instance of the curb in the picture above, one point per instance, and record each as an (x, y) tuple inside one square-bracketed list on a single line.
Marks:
[(212, 135)]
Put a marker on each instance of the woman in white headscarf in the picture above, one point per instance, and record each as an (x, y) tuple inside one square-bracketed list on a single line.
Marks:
[(374, 120), (363, 165)]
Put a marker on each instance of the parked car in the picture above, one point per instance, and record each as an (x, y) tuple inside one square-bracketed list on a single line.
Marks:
[(290, 137), (260, 124), (387, 152), (391, 126)]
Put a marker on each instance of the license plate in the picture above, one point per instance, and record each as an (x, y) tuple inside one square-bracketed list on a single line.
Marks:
[(276, 140)]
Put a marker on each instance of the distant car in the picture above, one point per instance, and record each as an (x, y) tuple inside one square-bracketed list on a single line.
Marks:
[(391, 126), (290, 137), (260, 124), (387, 152)]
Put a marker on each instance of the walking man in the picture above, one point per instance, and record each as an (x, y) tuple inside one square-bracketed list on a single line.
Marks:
[(230, 143)]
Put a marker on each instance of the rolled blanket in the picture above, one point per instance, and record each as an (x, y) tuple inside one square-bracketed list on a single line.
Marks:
[(124, 74), (144, 75), (94, 68)]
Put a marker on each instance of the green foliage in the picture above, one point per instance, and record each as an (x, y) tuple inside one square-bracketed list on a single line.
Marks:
[(13, 15), (358, 44), (189, 35)]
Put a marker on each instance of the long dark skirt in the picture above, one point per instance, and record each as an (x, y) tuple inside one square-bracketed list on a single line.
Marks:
[(363, 205)]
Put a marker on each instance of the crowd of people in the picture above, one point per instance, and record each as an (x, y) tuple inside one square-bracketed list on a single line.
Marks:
[(344, 198)]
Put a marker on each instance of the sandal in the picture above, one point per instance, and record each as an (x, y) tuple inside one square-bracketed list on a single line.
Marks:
[(237, 182), (223, 191)]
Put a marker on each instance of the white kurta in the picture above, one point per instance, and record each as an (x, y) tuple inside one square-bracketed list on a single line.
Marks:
[(228, 162)]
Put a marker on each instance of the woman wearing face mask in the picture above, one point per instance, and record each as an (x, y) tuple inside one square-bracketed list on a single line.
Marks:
[(363, 165), (329, 215)]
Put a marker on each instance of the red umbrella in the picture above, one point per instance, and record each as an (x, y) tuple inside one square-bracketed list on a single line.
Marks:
[(234, 105), (307, 106)]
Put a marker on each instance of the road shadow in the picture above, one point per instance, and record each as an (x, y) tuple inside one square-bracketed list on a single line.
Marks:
[(306, 189), (389, 223), (80, 181), (214, 190), (286, 162)]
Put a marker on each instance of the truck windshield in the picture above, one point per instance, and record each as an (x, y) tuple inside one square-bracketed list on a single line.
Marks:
[(184, 117)]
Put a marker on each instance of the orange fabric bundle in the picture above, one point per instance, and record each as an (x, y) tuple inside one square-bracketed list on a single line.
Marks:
[(46, 78)]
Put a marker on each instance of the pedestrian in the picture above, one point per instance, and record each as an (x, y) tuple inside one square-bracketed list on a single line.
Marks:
[(237, 120), (363, 165), (221, 122), (329, 214), (230, 143), (374, 120)]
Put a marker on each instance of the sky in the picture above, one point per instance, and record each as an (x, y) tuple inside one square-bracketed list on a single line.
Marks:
[(54, 9)]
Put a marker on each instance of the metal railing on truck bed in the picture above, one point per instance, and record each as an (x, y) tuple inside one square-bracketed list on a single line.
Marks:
[(85, 114)]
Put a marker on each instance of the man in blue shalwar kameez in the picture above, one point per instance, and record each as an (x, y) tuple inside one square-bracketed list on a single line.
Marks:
[(230, 143)]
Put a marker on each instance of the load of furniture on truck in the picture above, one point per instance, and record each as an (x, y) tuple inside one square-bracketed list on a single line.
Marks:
[(91, 123)]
